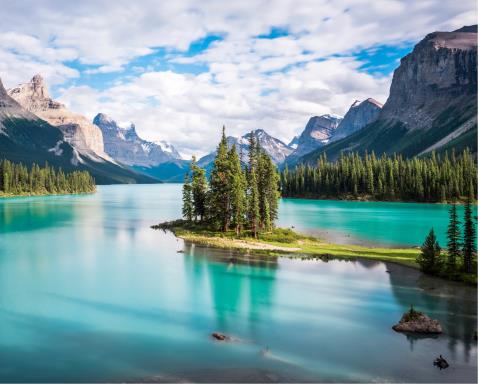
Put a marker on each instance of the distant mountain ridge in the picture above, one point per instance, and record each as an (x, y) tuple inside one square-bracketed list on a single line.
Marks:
[(432, 103), (317, 133), (26, 138), (125, 146)]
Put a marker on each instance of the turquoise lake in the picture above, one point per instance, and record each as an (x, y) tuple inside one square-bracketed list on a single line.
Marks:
[(89, 293)]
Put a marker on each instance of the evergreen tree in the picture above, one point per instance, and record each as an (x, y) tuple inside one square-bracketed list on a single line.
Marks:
[(238, 190), (220, 184), (18, 179), (253, 213), (429, 258), (469, 238), (436, 178), (454, 242), (199, 190), (188, 206)]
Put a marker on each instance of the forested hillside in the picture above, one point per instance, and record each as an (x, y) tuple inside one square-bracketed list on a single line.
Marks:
[(437, 178)]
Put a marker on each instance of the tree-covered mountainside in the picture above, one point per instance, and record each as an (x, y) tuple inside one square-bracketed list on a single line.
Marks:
[(437, 178), (18, 179), (432, 104)]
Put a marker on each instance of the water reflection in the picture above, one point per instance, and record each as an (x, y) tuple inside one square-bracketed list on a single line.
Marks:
[(453, 304), (240, 284)]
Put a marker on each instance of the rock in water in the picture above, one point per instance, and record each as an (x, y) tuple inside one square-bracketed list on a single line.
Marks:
[(441, 363), (220, 336), (417, 322)]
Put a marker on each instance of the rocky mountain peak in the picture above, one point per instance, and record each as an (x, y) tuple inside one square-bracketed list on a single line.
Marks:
[(105, 120), (125, 146), (440, 70), (78, 131), (358, 116)]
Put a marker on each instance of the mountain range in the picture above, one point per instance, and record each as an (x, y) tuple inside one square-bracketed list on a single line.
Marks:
[(432, 106)]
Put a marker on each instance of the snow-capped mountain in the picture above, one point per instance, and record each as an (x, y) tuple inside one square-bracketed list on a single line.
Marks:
[(275, 148), (125, 146)]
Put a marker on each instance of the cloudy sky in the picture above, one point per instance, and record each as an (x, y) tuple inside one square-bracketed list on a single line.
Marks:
[(181, 69)]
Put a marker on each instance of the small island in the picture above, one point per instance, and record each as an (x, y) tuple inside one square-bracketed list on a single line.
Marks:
[(417, 322), (237, 205), (17, 179), (236, 208), (285, 242)]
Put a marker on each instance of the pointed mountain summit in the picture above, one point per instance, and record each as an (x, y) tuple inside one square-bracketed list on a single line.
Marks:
[(317, 133), (275, 148), (26, 138), (78, 131), (125, 146), (432, 103), (358, 116)]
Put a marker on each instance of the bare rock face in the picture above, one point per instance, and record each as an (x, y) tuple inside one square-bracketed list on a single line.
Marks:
[(78, 131), (125, 146), (358, 116), (317, 133), (439, 72), (9, 108), (417, 322)]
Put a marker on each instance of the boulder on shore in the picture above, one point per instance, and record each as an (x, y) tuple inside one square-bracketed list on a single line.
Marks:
[(417, 322)]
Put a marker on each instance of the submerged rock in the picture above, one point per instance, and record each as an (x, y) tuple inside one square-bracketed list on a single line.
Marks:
[(417, 322)]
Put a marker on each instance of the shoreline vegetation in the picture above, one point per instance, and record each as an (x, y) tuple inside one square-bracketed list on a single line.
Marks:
[(18, 180), (285, 242), (438, 178), (237, 206)]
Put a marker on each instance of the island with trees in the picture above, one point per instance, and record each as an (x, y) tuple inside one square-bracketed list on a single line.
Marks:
[(17, 179), (237, 206)]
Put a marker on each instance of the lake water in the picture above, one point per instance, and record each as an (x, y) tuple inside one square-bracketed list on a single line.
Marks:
[(88, 292)]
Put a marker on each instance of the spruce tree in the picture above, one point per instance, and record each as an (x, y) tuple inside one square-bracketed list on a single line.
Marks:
[(188, 206), (199, 190), (429, 258), (238, 190), (469, 237), (220, 182), (453, 235), (253, 187)]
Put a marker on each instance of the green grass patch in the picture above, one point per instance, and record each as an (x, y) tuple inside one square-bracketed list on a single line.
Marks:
[(286, 242)]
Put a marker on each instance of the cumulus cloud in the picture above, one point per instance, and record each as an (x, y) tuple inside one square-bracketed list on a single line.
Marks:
[(250, 81)]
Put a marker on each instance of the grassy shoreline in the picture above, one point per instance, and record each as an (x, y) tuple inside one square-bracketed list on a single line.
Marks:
[(286, 242)]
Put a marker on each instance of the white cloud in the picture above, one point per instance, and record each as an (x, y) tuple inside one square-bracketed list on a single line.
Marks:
[(275, 84)]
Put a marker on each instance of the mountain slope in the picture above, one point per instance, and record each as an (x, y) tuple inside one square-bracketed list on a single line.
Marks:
[(78, 131), (28, 139), (317, 133), (432, 103), (358, 116), (125, 146), (275, 148)]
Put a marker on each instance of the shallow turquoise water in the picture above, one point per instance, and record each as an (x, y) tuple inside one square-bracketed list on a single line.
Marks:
[(88, 292), (391, 224)]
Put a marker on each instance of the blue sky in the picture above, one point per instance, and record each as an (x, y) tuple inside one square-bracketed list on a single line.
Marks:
[(180, 70)]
